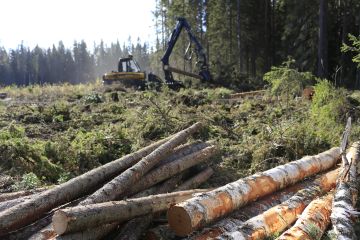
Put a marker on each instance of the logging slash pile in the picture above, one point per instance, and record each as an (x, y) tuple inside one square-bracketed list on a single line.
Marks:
[(127, 198)]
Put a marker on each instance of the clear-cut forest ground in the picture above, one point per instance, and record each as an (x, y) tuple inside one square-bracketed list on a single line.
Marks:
[(51, 134)]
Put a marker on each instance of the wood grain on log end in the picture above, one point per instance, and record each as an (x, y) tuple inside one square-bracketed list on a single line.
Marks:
[(179, 221), (60, 222)]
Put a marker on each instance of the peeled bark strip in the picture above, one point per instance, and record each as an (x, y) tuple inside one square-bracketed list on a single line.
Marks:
[(313, 221), (346, 196), (25, 213), (81, 217), (129, 177), (243, 214), (172, 168), (197, 180), (15, 195), (278, 218), (205, 208)]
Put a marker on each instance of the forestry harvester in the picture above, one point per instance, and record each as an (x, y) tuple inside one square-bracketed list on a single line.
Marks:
[(130, 74)]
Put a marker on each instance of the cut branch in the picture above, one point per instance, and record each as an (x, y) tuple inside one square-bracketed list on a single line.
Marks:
[(205, 208)]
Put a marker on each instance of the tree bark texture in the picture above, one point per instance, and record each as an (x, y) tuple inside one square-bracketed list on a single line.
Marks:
[(129, 177), (15, 195), (243, 214), (205, 208), (197, 180), (160, 232), (134, 228), (313, 221), (184, 150), (89, 234), (10, 203), (81, 217), (28, 211), (346, 197), (278, 218), (173, 168)]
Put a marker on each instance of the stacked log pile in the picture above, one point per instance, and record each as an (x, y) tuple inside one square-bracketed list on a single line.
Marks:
[(127, 198), (136, 187)]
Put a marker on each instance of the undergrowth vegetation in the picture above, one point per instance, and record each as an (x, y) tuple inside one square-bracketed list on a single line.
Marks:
[(54, 133)]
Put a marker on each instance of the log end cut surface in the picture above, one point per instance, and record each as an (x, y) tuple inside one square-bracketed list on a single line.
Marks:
[(179, 221), (60, 222)]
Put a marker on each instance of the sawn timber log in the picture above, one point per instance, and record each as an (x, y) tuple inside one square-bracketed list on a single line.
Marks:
[(196, 212)]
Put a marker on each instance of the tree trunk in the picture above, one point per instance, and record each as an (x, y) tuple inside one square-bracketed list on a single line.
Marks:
[(184, 150), (81, 217), (239, 35), (8, 204), (198, 211), (313, 221), (243, 214), (128, 178), (25, 213), (323, 41), (197, 180), (159, 233), (15, 195), (134, 229), (89, 234), (346, 197), (278, 218), (173, 168), (164, 187)]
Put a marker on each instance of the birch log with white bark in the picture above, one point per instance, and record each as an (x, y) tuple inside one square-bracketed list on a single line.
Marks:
[(278, 218), (196, 212), (313, 221), (243, 214), (346, 195)]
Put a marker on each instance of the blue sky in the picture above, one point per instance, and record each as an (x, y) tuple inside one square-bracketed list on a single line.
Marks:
[(45, 22)]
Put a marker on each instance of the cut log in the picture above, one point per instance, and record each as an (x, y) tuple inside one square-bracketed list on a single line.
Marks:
[(134, 228), (89, 234), (81, 217), (10, 203), (28, 231), (15, 195), (277, 219), (313, 221), (128, 178), (25, 213), (164, 187), (197, 180), (243, 214), (184, 150), (173, 168), (345, 199), (194, 213), (160, 232)]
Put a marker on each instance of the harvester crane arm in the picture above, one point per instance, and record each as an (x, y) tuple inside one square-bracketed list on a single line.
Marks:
[(204, 73)]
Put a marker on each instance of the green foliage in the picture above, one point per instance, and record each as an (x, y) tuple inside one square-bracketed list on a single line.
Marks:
[(287, 81), (328, 111), (354, 47), (28, 181)]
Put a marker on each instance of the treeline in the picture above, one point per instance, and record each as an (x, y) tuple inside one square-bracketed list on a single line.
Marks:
[(24, 66), (244, 38)]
